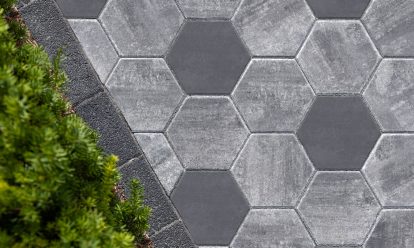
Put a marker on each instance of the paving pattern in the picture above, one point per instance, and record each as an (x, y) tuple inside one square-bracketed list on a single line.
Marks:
[(269, 123)]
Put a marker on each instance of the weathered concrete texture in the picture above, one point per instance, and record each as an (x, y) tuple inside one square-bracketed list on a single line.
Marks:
[(395, 229), (211, 205), (146, 92), (338, 246), (338, 57), (161, 157), (273, 27), (339, 208), (273, 95), (208, 8), (96, 45), (81, 8), (272, 170), (213, 247), (279, 228), (338, 8), (389, 170), (391, 26), (141, 28), (207, 133), (173, 236), (390, 94)]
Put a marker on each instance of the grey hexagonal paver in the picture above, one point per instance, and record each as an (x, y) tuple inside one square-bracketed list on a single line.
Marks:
[(338, 57), (339, 208), (81, 8), (141, 28), (390, 94), (391, 26), (208, 8), (207, 133), (389, 170), (272, 170), (146, 92), (264, 228), (273, 95), (329, 9), (273, 27)]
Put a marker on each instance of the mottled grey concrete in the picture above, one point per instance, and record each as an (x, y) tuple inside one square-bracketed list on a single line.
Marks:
[(208, 8), (146, 92), (276, 228), (395, 229), (81, 8), (339, 208), (338, 8), (273, 95), (141, 28), (391, 26), (338, 57), (272, 170), (175, 235), (96, 45), (207, 133), (162, 158), (273, 27), (390, 170), (390, 94), (211, 205), (208, 57)]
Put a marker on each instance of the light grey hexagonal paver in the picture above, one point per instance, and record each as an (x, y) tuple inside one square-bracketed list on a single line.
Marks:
[(390, 94), (207, 133), (141, 28), (390, 170), (208, 8), (162, 158), (272, 170), (96, 45), (275, 228), (273, 95), (339, 208), (338, 57), (146, 92), (273, 27)]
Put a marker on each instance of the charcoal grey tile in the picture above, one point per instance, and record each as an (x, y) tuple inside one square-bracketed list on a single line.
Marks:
[(208, 8), (389, 170), (338, 57), (279, 228), (338, 133), (207, 133), (211, 205), (395, 229), (272, 170), (173, 236), (391, 26), (208, 57), (338, 8), (338, 246), (141, 28), (273, 95), (81, 8), (273, 27), (146, 92), (390, 94), (339, 208)]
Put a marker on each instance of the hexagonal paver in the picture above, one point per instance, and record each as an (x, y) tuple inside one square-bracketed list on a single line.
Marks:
[(279, 228), (273, 27), (394, 229), (338, 57), (141, 28), (208, 57), (390, 94), (391, 26), (338, 133), (208, 8), (338, 8), (81, 8), (272, 170), (146, 92), (207, 133), (211, 205), (162, 158), (339, 208), (389, 170), (273, 95)]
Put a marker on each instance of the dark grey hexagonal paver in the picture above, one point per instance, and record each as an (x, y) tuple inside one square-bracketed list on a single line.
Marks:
[(208, 57), (338, 8), (208, 8), (338, 133), (81, 8), (211, 205)]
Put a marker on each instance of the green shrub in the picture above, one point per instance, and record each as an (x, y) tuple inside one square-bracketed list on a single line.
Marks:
[(57, 188)]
